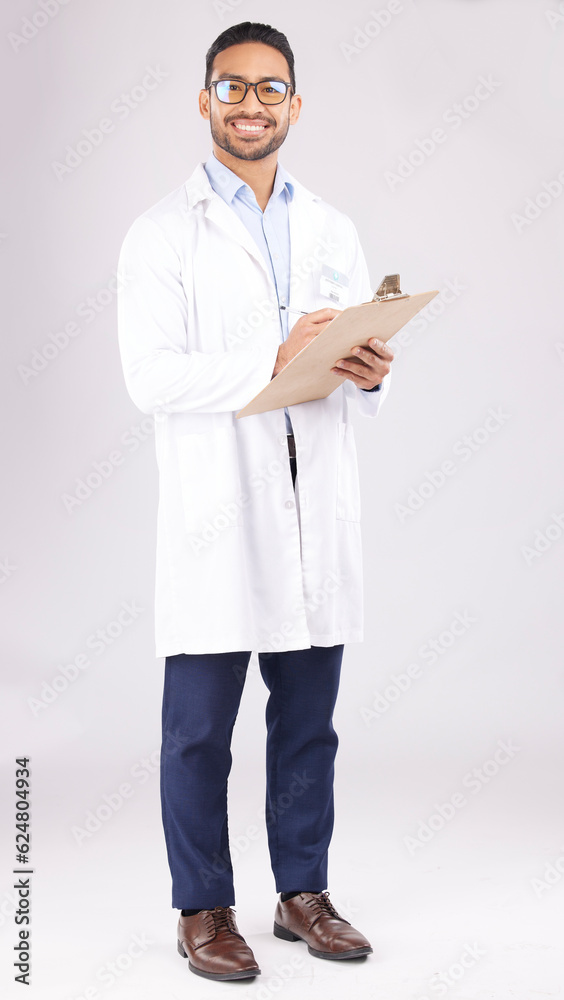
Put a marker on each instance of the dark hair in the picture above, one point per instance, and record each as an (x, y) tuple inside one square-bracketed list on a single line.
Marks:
[(250, 31)]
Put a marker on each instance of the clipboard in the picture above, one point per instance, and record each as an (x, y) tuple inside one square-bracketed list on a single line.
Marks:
[(308, 375)]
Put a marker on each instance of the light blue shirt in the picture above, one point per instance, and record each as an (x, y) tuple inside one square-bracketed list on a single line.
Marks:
[(270, 229)]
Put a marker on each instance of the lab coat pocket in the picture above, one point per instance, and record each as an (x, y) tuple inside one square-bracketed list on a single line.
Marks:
[(210, 482), (348, 491)]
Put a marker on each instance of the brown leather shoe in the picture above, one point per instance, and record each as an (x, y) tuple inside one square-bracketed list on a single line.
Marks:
[(312, 918), (215, 949)]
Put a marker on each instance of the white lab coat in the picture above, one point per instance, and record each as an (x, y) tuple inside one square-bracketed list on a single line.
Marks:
[(243, 562)]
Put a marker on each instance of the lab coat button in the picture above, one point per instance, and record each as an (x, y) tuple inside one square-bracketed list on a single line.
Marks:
[(289, 504)]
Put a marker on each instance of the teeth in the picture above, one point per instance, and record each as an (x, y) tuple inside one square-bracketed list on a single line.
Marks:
[(252, 128)]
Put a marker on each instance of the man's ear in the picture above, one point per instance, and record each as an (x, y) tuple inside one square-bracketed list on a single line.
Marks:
[(295, 108), (204, 103)]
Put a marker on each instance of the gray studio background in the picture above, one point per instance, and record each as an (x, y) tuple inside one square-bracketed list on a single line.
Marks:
[(463, 510)]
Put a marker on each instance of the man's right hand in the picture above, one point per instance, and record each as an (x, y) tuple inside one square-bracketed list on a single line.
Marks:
[(307, 327)]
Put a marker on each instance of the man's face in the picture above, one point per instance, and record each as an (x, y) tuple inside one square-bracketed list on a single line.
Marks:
[(250, 62)]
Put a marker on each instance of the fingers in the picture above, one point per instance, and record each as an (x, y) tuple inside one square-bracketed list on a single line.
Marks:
[(345, 365), (380, 348), (322, 315), (363, 356), (359, 380), (365, 369), (365, 364), (312, 324)]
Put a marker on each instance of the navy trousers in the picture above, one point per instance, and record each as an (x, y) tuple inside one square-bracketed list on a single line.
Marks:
[(201, 699)]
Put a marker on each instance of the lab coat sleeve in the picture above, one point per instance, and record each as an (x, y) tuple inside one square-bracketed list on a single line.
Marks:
[(160, 374), (368, 403)]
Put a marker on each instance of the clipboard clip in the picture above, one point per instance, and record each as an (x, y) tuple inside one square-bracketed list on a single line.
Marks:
[(389, 288)]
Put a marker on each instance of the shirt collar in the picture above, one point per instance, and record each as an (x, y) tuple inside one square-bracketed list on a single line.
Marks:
[(228, 184)]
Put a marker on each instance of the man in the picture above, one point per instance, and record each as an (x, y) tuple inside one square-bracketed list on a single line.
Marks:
[(258, 537)]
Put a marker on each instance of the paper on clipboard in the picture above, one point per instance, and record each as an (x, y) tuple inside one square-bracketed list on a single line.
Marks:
[(308, 375)]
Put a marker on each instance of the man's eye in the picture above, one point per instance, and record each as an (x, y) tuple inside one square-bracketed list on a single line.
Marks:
[(235, 86)]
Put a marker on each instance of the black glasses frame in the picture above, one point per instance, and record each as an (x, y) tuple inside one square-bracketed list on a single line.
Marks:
[(288, 87)]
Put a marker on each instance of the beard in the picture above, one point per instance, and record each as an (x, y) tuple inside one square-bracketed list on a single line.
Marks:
[(252, 151)]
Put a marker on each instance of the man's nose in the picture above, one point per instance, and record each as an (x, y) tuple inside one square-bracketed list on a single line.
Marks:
[(251, 102)]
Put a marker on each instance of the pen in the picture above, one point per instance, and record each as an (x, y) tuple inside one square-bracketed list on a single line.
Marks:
[(301, 312)]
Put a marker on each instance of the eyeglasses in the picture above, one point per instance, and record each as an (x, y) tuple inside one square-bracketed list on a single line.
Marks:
[(235, 91)]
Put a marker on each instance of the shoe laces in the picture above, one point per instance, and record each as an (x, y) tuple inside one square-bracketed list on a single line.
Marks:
[(223, 919), (320, 902)]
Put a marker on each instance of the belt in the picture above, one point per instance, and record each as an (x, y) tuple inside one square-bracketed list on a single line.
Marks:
[(291, 446)]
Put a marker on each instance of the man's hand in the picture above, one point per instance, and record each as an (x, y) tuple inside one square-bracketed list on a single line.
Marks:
[(368, 366), (301, 334)]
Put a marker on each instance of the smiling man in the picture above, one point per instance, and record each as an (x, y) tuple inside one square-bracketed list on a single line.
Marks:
[(258, 535)]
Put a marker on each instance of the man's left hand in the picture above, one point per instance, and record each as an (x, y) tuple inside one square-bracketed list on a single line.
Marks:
[(368, 366)]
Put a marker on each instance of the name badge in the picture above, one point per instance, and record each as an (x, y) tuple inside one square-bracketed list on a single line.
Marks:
[(334, 285)]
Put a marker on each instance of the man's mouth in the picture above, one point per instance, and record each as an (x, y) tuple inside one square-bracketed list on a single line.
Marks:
[(243, 127)]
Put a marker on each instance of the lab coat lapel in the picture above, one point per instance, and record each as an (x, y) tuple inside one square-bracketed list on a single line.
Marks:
[(219, 212), (198, 188)]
